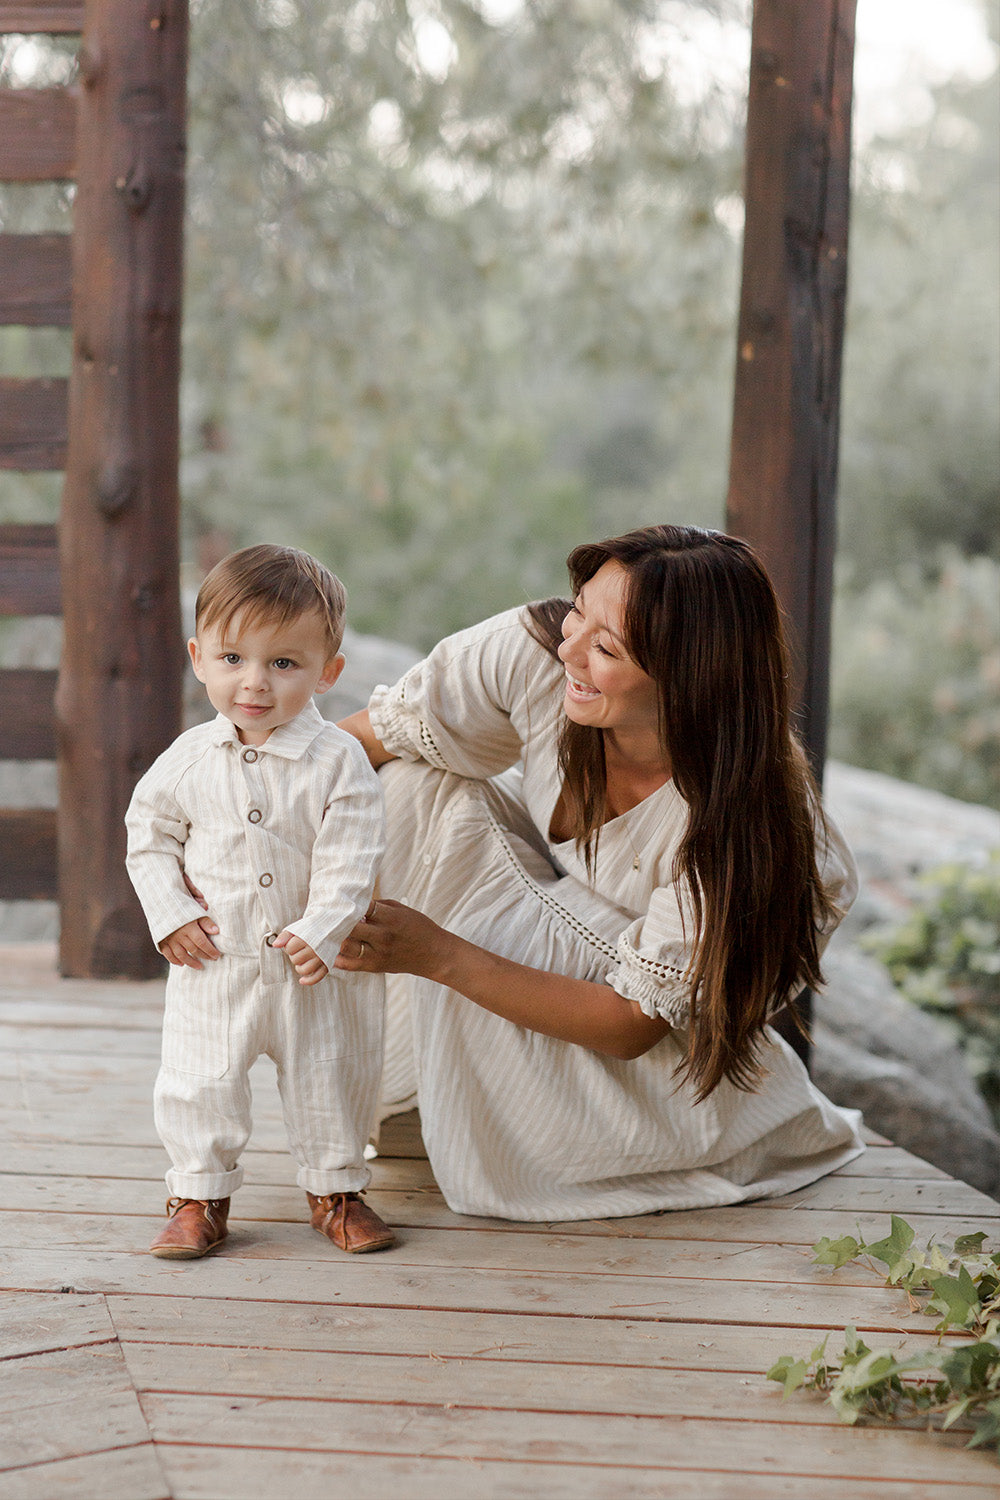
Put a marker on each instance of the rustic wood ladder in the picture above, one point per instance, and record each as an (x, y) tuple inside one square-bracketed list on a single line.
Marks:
[(118, 132), (37, 144)]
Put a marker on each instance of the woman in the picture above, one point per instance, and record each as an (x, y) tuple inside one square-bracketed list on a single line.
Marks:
[(615, 869)]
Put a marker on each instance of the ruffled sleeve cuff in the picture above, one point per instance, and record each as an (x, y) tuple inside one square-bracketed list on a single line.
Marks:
[(659, 988)]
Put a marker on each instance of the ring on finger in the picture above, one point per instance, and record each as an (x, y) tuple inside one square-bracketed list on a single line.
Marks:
[(364, 945), (371, 911)]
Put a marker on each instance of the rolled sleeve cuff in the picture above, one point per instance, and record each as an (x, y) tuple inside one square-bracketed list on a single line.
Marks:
[(660, 989), (322, 939), (184, 910)]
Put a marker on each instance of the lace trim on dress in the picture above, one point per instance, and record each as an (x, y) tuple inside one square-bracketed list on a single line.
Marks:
[(572, 921), (658, 989)]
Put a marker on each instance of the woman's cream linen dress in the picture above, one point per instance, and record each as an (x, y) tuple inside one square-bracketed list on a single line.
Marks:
[(516, 1124)]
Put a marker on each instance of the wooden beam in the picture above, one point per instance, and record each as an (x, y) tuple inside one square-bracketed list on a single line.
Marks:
[(35, 280), (56, 17), (28, 726), (29, 570), (33, 423), (28, 867), (37, 135), (783, 462), (119, 698)]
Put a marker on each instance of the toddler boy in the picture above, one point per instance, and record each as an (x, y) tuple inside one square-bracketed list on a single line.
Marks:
[(275, 817)]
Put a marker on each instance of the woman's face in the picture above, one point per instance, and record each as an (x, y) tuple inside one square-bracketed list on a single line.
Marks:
[(605, 688)]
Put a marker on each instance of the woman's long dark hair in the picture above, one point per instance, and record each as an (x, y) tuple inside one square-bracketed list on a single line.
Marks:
[(701, 618)]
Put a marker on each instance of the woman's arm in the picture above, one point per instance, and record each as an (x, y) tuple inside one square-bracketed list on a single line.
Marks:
[(399, 940), (360, 725)]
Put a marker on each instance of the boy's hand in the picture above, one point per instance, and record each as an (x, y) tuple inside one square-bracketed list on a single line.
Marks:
[(307, 964), (189, 944)]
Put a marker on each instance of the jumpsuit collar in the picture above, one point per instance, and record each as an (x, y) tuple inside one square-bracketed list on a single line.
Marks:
[(290, 740)]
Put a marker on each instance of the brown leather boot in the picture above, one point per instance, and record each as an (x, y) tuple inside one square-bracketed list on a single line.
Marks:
[(349, 1223), (194, 1227)]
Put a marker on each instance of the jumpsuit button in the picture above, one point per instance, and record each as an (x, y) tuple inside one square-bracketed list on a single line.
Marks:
[(270, 938), (427, 859), (250, 755), (266, 879), (255, 815)]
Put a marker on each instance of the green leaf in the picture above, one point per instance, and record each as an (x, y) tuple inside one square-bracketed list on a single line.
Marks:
[(970, 1244), (789, 1372), (835, 1253), (987, 1426), (955, 1297), (892, 1250)]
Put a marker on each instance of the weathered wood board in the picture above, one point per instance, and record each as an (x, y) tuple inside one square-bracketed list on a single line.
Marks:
[(479, 1357)]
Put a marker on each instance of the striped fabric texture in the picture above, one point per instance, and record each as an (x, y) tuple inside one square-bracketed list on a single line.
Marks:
[(519, 1125)]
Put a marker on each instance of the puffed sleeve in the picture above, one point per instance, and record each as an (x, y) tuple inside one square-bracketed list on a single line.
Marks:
[(454, 709), (654, 951)]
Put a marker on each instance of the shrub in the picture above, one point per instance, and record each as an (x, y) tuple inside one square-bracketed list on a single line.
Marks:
[(916, 676), (946, 958)]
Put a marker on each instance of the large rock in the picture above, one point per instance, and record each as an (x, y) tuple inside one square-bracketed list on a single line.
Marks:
[(875, 1051)]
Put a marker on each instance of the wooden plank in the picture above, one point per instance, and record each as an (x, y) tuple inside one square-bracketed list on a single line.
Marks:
[(236, 1472), (92, 1393), (655, 1263), (37, 135), (135, 1473), (33, 421), (28, 728), (29, 570), (120, 689), (122, 1007), (501, 1385), (395, 1281), (56, 17), (28, 868), (35, 1323), (139, 1197), (82, 1040), (35, 278), (664, 1441), (464, 1337), (786, 405)]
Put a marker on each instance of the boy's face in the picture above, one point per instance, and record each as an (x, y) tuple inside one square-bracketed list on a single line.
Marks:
[(260, 676)]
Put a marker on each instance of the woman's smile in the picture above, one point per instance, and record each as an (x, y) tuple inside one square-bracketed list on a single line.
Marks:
[(582, 691)]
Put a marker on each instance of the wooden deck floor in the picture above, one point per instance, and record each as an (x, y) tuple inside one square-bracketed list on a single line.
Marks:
[(478, 1359)]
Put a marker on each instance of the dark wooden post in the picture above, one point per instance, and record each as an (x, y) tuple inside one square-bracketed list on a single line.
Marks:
[(783, 462), (119, 695)]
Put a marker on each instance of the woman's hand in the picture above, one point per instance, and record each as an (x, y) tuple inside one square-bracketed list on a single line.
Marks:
[(395, 939)]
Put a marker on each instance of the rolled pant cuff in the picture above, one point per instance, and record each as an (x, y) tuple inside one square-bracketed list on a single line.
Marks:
[(346, 1180), (203, 1185)]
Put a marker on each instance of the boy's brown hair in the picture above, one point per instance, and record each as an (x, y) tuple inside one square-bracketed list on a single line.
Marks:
[(271, 585)]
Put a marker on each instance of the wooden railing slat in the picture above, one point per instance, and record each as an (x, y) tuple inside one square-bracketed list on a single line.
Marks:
[(28, 867), (36, 275), (29, 570), (54, 17), (33, 423), (28, 726), (37, 135)]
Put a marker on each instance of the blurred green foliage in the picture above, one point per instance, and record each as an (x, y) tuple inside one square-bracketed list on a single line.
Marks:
[(462, 283), (915, 684), (946, 958)]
